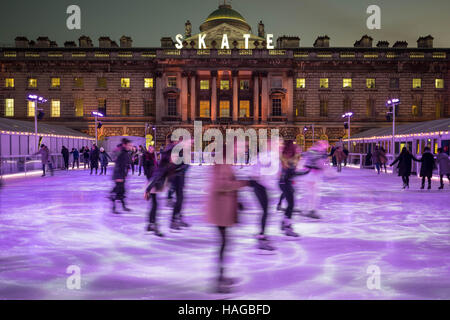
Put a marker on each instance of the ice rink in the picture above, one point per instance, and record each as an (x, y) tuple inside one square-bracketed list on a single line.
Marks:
[(369, 223)]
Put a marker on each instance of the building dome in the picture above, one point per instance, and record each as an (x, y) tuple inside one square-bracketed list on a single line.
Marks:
[(225, 14)]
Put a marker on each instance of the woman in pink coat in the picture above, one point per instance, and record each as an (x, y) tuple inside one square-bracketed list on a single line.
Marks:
[(222, 210)]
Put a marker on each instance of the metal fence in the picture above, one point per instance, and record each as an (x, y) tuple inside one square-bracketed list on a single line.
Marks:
[(27, 163)]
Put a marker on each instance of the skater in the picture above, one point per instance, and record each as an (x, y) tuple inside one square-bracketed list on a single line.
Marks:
[(315, 160), (86, 157), (94, 158), (222, 212), (377, 159), (427, 167), (140, 155), (289, 161), (293, 162), (120, 173), (104, 160), (149, 162), (133, 159), (444, 166), (45, 159), (333, 158), (404, 166), (340, 156), (383, 158), (65, 154), (76, 158)]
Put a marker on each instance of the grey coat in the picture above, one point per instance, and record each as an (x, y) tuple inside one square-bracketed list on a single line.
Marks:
[(44, 154), (444, 163)]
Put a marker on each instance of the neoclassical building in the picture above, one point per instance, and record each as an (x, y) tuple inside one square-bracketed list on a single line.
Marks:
[(289, 87)]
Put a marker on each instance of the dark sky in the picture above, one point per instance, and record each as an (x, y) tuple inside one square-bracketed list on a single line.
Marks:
[(146, 21)]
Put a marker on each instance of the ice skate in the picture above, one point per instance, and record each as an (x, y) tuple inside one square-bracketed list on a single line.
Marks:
[(263, 244), (313, 215), (153, 227), (175, 226)]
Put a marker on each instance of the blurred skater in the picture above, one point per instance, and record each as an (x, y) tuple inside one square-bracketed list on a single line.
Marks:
[(340, 156), (404, 166), (120, 173), (45, 159), (65, 154), (149, 162), (444, 166), (104, 160), (427, 167), (222, 212), (94, 156), (76, 158), (85, 153)]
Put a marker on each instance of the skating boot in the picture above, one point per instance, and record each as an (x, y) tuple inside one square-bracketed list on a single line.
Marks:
[(114, 210), (429, 187), (125, 207), (264, 243), (175, 226), (313, 215), (153, 227), (422, 187), (279, 208), (290, 232), (441, 187), (183, 224)]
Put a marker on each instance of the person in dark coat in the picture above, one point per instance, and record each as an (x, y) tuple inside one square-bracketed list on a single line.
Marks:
[(65, 154), (104, 160), (444, 166), (94, 157), (86, 157), (428, 165), (404, 166), (120, 173), (76, 158), (149, 162)]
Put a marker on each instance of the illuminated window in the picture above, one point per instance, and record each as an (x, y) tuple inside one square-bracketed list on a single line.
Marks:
[(370, 83), (56, 108), (347, 83), (224, 85), (78, 82), (9, 83), (204, 109), (324, 83), (9, 107), (79, 107), (125, 82), (300, 108), (417, 83), (32, 83), (30, 108), (439, 83), (172, 82), (172, 106), (244, 109), (55, 82), (323, 108), (148, 83), (301, 83), (101, 82), (224, 109), (416, 108), (124, 107), (276, 107), (204, 84), (244, 85)]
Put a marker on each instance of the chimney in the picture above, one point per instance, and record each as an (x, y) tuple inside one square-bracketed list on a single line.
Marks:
[(31, 43), (114, 44), (104, 42), (85, 42), (70, 44), (365, 42), (425, 42), (53, 44), (21, 42), (288, 42), (43, 42), (322, 42), (126, 42), (400, 44), (382, 44), (167, 42)]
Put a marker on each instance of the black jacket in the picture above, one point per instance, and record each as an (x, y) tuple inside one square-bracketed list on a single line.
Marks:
[(121, 165), (404, 164), (65, 153), (428, 165)]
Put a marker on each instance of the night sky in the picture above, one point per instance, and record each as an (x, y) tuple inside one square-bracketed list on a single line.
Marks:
[(146, 21)]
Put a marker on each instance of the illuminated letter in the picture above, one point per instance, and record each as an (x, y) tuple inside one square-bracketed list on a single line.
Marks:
[(246, 37), (373, 282), (73, 282), (201, 41), (179, 39), (225, 42), (374, 21), (74, 20), (269, 41)]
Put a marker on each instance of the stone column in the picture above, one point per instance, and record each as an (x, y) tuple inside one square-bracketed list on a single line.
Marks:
[(184, 96), (264, 97), (213, 96), (255, 97), (290, 96), (235, 74), (160, 104), (193, 97)]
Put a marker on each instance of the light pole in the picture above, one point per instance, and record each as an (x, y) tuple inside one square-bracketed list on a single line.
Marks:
[(348, 115), (392, 104), (96, 114), (36, 99)]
